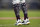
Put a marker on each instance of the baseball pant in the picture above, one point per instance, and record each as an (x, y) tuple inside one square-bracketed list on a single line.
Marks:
[(17, 8)]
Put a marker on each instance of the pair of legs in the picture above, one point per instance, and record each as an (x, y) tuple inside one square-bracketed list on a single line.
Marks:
[(24, 9), (17, 9)]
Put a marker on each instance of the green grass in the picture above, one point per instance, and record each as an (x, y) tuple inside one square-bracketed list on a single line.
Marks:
[(10, 13), (11, 23)]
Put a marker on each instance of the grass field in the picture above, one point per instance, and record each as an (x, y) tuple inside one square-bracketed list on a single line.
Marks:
[(10, 13), (11, 22)]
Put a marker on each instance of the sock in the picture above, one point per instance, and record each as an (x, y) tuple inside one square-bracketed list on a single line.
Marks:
[(18, 17), (25, 16)]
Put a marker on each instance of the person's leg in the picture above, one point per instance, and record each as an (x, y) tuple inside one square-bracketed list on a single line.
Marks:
[(24, 8), (16, 10)]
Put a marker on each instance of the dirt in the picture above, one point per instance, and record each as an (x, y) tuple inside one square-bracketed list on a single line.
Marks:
[(6, 18)]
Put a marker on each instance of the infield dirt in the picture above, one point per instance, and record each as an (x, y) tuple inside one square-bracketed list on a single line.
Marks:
[(15, 18)]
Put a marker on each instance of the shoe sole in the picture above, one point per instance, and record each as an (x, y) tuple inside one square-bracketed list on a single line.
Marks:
[(19, 24), (25, 23), (28, 23)]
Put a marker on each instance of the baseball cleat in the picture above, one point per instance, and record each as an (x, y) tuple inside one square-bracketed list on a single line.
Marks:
[(19, 23), (26, 22)]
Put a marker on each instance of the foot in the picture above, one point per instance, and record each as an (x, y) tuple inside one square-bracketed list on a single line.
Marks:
[(18, 22), (26, 22)]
